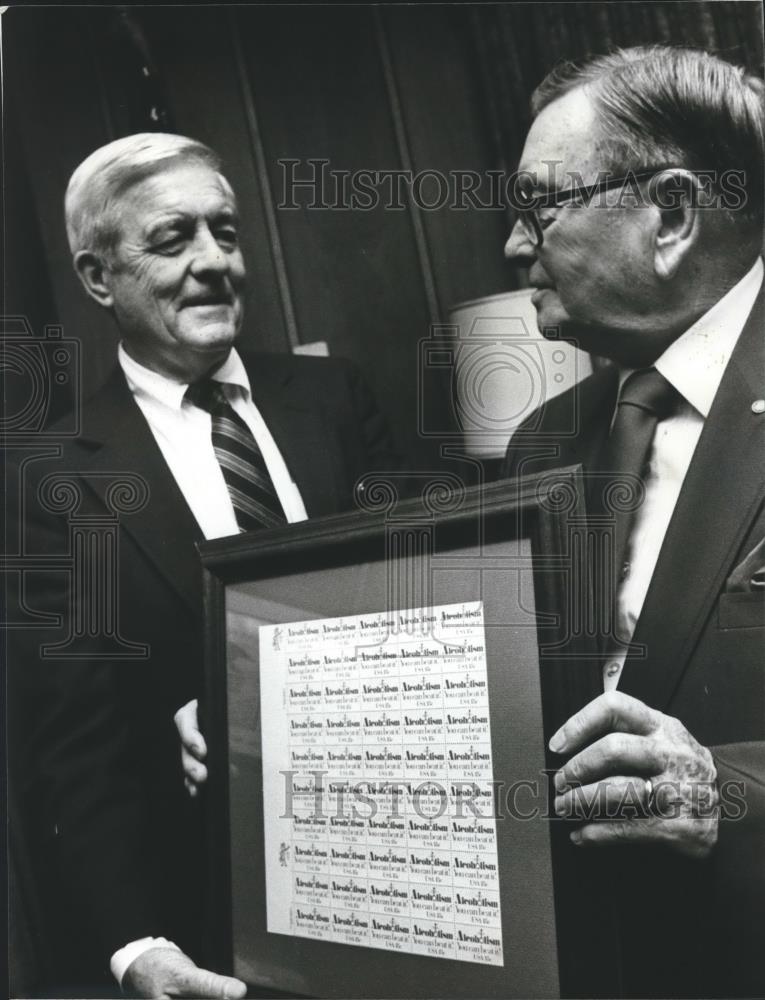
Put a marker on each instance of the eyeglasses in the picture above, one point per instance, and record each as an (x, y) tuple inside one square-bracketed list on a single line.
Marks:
[(527, 203)]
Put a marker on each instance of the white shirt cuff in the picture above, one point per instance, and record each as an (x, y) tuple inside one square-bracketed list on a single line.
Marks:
[(125, 956)]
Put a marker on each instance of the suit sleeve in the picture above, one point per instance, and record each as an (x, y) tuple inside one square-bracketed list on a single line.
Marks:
[(739, 863), (74, 753)]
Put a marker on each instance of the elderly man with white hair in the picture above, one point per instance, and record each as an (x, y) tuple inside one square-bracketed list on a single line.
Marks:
[(218, 444)]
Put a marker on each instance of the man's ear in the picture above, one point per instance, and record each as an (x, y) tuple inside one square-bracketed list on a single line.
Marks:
[(676, 197), (94, 275)]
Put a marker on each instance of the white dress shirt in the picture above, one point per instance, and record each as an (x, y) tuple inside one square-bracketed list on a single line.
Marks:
[(694, 364), (183, 433)]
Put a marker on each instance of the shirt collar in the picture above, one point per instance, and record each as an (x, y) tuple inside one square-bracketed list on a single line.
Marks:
[(147, 384), (694, 363), (232, 372)]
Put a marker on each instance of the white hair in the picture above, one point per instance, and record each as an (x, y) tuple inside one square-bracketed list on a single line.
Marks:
[(97, 184)]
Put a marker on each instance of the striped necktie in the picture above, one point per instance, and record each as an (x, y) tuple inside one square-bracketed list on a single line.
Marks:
[(252, 492)]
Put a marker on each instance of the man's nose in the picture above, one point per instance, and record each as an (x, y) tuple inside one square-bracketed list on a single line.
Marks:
[(519, 249), (208, 255)]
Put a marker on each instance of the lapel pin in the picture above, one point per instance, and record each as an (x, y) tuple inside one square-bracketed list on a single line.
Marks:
[(758, 406)]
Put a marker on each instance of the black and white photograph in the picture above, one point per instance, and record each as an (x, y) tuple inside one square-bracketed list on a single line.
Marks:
[(384, 460)]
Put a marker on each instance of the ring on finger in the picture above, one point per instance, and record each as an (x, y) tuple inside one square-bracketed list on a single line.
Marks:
[(650, 794)]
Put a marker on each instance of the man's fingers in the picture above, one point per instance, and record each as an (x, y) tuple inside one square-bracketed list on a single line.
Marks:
[(609, 712), (193, 748), (192, 768), (194, 982), (166, 972), (618, 832), (186, 722), (617, 753), (693, 837), (604, 800)]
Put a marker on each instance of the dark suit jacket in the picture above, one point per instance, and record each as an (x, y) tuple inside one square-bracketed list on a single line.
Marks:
[(688, 928), (96, 755)]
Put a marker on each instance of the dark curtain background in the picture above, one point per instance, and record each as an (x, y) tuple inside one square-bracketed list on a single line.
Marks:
[(517, 44)]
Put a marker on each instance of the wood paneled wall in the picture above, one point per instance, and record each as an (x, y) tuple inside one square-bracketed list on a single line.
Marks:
[(518, 43)]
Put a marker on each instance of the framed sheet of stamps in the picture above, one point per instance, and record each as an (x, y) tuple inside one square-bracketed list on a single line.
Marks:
[(380, 689)]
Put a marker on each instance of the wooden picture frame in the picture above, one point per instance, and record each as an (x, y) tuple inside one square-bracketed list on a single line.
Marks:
[(518, 547)]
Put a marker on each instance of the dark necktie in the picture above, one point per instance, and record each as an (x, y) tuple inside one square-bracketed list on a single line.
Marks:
[(645, 399), (250, 487)]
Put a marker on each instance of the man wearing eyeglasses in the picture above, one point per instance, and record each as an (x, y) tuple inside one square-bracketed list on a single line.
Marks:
[(640, 220)]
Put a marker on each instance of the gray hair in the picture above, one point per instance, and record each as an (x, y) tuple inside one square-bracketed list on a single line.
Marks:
[(95, 187), (666, 104)]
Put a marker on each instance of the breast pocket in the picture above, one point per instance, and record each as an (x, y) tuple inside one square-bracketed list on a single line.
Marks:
[(741, 610)]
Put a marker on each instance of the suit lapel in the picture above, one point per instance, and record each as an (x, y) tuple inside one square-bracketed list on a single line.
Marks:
[(300, 432), (722, 493), (569, 430), (119, 440), (595, 407)]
